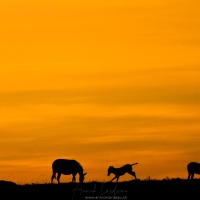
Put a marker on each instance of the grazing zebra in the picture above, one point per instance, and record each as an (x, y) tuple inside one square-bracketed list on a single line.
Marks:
[(121, 171), (193, 168), (67, 167)]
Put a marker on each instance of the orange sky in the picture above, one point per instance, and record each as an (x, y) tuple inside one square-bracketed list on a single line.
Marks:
[(102, 82)]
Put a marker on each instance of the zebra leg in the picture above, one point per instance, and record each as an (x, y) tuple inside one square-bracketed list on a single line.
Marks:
[(192, 176), (58, 177), (53, 176), (73, 178), (115, 178), (189, 176), (133, 174)]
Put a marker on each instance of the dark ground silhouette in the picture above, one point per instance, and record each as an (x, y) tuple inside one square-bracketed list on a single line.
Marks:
[(135, 189)]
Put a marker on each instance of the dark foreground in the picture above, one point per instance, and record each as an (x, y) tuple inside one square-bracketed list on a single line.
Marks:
[(136, 189)]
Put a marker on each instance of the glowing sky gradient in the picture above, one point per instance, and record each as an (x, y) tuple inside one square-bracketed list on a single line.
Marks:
[(103, 82)]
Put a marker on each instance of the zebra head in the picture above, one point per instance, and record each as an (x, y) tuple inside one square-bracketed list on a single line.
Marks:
[(82, 177), (110, 170)]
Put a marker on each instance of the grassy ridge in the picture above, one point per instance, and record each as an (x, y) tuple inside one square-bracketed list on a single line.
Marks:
[(136, 189)]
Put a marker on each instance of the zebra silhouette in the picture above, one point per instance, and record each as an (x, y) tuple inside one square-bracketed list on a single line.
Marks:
[(67, 167), (121, 171), (193, 168)]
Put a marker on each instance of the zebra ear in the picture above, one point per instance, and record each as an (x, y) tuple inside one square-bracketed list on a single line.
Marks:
[(84, 174)]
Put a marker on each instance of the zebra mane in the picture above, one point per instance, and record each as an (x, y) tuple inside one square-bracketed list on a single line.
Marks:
[(81, 167)]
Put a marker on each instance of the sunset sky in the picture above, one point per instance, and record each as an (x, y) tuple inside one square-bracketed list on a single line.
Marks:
[(103, 82)]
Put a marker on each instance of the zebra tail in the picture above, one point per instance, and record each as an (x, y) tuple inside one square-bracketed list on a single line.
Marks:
[(134, 164)]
